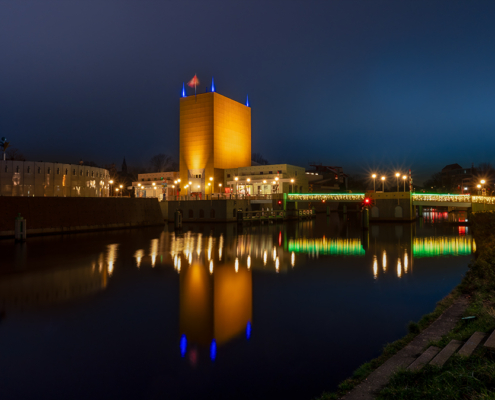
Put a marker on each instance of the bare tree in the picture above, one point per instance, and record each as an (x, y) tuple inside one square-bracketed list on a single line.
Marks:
[(162, 163), (14, 154), (257, 157)]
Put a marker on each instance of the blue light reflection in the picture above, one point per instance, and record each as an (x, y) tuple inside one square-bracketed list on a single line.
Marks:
[(248, 330), (183, 90), (212, 85), (247, 101), (213, 350), (183, 345)]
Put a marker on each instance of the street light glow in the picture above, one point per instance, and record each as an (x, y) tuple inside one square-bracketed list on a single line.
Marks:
[(236, 179), (248, 179), (373, 176), (110, 181), (482, 181), (383, 178), (397, 174), (292, 181)]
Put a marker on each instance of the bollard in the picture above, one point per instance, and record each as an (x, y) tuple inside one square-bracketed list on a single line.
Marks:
[(177, 219), (366, 218), (20, 229)]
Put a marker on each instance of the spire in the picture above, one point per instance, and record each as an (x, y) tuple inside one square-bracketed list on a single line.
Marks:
[(212, 85), (124, 167), (183, 90), (247, 101)]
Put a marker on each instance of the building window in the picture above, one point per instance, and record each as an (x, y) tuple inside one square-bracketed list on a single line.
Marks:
[(73, 172), (92, 174), (17, 169), (201, 213), (279, 172), (142, 179), (261, 172), (49, 170), (270, 172), (6, 169), (80, 172), (191, 214), (66, 171), (29, 170), (87, 173), (228, 175), (58, 171), (296, 173)]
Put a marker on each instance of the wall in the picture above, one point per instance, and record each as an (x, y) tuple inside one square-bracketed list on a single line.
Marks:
[(45, 179), (55, 214)]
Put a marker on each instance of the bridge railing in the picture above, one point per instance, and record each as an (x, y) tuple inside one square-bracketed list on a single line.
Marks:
[(326, 196), (483, 199), (451, 198)]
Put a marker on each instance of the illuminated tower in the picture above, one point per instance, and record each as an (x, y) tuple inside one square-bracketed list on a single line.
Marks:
[(215, 134)]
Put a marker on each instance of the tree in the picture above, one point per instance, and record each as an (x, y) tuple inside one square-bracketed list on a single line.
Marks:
[(14, 154), (162, 163), (258, 158)]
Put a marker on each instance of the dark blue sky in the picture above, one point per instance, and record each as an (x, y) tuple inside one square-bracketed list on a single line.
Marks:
[(360, 84)]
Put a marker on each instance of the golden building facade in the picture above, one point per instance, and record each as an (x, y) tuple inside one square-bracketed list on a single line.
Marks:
[(215, 134)]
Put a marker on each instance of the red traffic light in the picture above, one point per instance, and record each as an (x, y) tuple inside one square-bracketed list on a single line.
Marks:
[(367, 201), (279, 202)]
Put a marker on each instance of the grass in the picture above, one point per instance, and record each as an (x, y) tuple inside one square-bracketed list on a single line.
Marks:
[(461, 378)]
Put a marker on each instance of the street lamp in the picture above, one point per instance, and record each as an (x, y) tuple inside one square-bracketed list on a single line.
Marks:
[(292, 185), (374, 182), (236, 179), (404, 177), (383, 184), (397, 176), (121, 186), (111, 185)]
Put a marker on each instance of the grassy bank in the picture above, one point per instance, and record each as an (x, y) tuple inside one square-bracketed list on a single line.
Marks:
[(462, 378), (456, 380)]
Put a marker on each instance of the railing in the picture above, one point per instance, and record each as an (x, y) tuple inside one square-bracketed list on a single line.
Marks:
[(450, 198), (263, 215), (274, 196), (326, 196), (483, 199)]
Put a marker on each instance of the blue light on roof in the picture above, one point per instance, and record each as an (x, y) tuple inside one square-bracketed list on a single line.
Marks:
[(183, 90), (248, 330), (212, 85), (213, 350), (247, 101), (183, 345)]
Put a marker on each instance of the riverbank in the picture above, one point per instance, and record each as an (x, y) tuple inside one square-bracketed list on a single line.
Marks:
[(453, 380)]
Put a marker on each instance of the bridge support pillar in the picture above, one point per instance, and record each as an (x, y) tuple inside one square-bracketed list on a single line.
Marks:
[(420, 211), (344, 208), (328, 210), (366, 218)]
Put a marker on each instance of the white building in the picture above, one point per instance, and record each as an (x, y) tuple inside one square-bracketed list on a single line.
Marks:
[(156, 184), (45, 179)]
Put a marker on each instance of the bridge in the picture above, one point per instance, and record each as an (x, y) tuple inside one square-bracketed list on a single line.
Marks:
[(418, 199)]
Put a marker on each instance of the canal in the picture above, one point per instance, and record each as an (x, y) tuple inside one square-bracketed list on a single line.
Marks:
[(217, 311)]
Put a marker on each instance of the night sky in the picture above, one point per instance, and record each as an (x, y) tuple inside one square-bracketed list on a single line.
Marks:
[(360, 84)]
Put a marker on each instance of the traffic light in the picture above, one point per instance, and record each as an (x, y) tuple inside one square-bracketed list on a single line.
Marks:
[(366, 202), (279, 202)]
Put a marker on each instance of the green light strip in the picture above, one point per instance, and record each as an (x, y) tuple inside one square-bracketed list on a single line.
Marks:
[(442, 246), (334, 247)]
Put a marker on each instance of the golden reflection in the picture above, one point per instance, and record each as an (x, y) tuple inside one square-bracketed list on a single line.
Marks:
[(384, 261), (211, 267), (375, 266), (220, 248), (248, 262), (399, 268), (435, 246), (293, 259), (277, 265), (236, 265), (111, 257), (406, 262), (139, 254), (178, 264), (153, 251), (198, 247), (265, 256), (190, 258), (274, 253)]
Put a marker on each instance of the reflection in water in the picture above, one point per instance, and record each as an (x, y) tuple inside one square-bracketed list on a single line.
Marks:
[(442, 246), (153, 251), (399, 268), (293, 259), (139, 254), (111, 257), (406, 261), (315, 247), (375, 267), (384, 261)]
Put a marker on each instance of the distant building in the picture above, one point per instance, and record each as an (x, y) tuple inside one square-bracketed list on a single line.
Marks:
[(266, 179), (45, 179), (456, 177), (157, 184), (326, 179)]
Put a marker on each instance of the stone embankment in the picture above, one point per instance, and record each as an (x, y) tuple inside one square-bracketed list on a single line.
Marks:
[(49, 215)]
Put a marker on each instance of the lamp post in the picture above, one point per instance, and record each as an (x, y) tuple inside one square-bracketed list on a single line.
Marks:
[(117, 190), (276, 182), (236, 179), (121, 186), (219, 188), (374, 182), (479, 187), (248, 180), (212, 185), (111, 186), (482, 185), (397, 176), (404, 177), (383, 184), (292, 185), (264, 183)]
